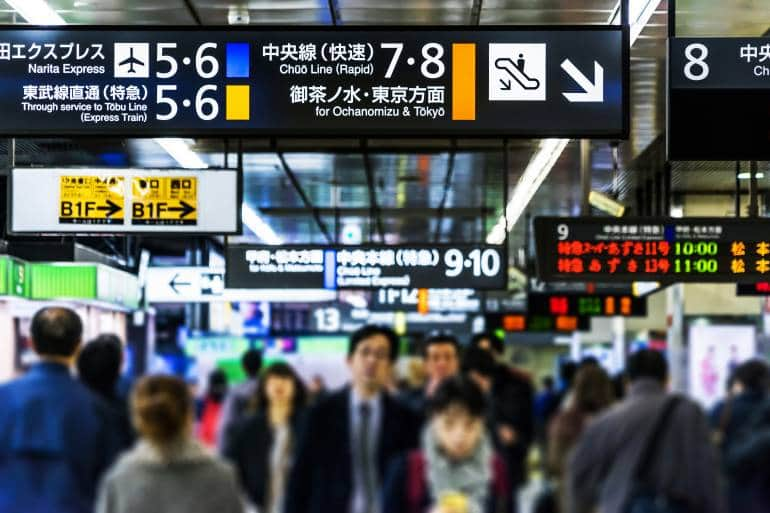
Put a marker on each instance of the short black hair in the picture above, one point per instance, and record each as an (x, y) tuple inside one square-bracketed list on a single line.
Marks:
[(281, 370), (480, 361), (99, 364), (567, 372), (458, 391), (754, 375), (369, 331), (495, 342), (217, 385), (440, 338), (56, 331), (251, 361), (589, 361), (548, 382), (647, 363)]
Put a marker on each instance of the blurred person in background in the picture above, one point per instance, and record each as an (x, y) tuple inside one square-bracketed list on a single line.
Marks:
[(99, 365), (441, 359), (513, 400), (211, 408), (567, 371), (262, 446), (168, 471), (352, 434), (652, 448), (748, 466), (731, 421), (593, 393), (316, 389), (56, 437), (546, 405), (456, 469), (237, 400)]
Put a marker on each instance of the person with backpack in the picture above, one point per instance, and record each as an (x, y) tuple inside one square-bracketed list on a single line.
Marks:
[(456, 469), (651, 453)]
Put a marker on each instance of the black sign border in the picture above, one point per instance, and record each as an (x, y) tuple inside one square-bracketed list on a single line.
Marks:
[(336, 134), (155, 233)]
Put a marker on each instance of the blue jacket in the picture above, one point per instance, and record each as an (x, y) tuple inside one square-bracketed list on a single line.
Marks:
[(56, 440)]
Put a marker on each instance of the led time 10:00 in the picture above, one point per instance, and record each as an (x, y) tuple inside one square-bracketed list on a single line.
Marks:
[(696, 265)]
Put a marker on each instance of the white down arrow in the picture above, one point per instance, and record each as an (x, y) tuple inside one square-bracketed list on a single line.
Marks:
[(594, 91)]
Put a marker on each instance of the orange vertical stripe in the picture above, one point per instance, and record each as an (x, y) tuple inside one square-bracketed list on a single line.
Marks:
[(422, 301), (464, 82)]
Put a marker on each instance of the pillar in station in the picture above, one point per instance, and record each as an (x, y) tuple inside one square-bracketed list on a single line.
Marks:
[(677, 352)]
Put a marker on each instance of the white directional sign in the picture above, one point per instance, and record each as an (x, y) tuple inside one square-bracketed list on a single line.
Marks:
[(593, 91), (93, 200)]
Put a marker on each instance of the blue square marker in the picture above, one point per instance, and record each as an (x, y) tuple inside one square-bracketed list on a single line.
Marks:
[(237, 60)]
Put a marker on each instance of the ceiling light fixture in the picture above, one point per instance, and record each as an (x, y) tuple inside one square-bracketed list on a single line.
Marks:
[(261, 229), (37, 12), (747, 176), (180, 150), (549, 151)]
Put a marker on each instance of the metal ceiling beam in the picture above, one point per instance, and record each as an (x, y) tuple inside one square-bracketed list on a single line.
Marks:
[(305, 199), (447, 185), (476, 12), (193, 12), (374, 210), (391, 213)]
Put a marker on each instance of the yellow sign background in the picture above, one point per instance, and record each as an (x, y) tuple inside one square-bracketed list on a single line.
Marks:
[(91, 199), (164, 200)]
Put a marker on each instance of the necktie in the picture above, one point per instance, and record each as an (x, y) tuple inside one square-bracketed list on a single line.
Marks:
[(365, 457)]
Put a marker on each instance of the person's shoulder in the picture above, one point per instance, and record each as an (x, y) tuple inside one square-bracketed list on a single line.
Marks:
[(333, 400)]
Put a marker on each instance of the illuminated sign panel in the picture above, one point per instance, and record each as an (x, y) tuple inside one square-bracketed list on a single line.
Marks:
[(667, 250), (365, 267), (600, 305), (487, 81)]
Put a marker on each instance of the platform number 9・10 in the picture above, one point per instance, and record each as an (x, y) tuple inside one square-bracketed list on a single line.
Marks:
[(696, 68)]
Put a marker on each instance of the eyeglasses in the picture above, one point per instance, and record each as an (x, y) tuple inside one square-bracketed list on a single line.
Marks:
[(377, 354)]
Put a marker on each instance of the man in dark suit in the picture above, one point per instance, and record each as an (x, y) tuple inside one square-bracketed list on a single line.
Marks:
[(352, 434)]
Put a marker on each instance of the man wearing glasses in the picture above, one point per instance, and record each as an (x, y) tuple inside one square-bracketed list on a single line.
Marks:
[(352, 434)]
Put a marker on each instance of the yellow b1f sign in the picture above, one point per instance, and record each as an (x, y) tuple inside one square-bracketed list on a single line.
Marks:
[(91, 199), (164, 200)]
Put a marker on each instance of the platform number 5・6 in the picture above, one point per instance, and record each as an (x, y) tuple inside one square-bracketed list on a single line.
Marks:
[(696, 68)]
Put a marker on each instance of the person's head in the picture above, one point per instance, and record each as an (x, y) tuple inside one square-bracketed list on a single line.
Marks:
[(479, 366), (442, 356), (56, 333), (371, 353), (752, 376), (161, 409), (99, 364), (567, 372), (548, 383), (216, 388), (647, 364), (280, 386), (457, 411), (594, 390), (488, 341), (251, 361), (588, 361)]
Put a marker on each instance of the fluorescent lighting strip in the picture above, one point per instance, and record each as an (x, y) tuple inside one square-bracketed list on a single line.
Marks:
[(261, 229), (549, 151), (37, 12), (180, 150)]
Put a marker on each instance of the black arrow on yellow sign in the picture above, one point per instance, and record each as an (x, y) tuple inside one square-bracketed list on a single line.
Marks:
[(185, 209), (111, 208)]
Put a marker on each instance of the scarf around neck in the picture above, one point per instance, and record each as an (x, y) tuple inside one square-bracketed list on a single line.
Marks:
[(470, 477)]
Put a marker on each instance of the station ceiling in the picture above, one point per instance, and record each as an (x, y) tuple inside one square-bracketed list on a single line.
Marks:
[(426, 190)]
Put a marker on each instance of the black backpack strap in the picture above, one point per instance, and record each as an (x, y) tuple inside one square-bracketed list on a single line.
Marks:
[(651, 444)]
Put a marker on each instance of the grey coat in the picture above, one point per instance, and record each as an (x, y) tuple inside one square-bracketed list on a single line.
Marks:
[(602, 465), (187, 480)]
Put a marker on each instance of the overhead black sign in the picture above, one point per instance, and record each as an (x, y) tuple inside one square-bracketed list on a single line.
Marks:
[(760, 288), (515, 322), (365, 267), (593, 305), (428, 300), (667, 250), (719, 99), (495, 81)]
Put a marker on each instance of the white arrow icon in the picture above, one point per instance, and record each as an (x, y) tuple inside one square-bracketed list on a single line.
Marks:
[(594, 91)]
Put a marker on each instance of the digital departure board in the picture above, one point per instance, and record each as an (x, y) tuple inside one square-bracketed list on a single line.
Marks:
[(760, 288), (719, 98), (667, 250), (515, 322), (366, 267), (292, 81), (598, 305)]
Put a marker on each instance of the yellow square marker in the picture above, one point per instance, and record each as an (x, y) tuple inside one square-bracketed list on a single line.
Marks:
[(237, 102)]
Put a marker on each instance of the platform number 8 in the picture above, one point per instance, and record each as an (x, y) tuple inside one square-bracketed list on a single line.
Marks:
[(698, 62)]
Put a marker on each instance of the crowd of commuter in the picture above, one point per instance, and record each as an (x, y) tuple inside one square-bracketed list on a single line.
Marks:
[(455, 438)]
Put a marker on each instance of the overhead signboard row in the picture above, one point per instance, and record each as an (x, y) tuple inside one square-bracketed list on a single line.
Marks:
[(666, 250), (490, 81), (117, 201)]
